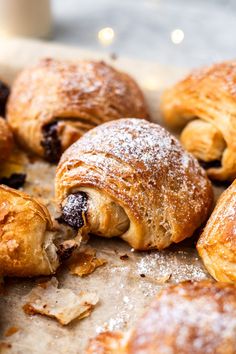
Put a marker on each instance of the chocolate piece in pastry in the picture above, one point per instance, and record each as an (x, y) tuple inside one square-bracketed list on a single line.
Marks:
[(14, 179), (55, 102), (208, 95), (6, 140), (217, 244), (26, 236), (132, 179), (191, 317), (4, 94)]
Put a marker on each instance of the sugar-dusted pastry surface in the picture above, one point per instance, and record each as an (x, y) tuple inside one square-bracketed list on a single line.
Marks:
[(188, 318)]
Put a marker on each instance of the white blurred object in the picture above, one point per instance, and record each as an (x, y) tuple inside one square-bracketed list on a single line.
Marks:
[(177, 36), (106, 36), (29, 18)]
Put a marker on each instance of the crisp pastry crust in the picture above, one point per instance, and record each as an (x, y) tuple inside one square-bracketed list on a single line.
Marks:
[(26, 236), (139, 182), (217, 244), (6, 140), (191, 317), (52, 104), (208, 94)]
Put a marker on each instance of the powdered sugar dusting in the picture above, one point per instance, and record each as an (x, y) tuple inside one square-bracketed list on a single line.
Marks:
[(180, 267), (202, 317), (138, 142)]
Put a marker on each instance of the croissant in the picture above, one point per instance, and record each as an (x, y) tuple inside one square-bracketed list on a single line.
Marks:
[(26, 236), (217, 244), (208, 96), (132, 179), (6, 140), (191, 317), (52, 104)]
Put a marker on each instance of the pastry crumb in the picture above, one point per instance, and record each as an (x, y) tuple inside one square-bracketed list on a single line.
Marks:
[(85, 262), (12, 330), (62, 304)]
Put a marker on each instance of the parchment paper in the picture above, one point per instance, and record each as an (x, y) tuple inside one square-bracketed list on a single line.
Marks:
[(125, 287)]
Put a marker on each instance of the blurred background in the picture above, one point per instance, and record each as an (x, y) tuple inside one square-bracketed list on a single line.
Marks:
[(185, 33), (177, 32)]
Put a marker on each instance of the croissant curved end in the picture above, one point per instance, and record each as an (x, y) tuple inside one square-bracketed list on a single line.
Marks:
[(26, 236), (203, 141)]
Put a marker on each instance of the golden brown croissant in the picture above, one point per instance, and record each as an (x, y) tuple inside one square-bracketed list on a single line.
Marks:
[(208, 95), (55, 102), (131, 178), (26, 236), (6, 140), (217, 244), (191, 317)]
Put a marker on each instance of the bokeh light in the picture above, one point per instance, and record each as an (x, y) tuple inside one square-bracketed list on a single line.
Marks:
[(106, 36), (177, 36)]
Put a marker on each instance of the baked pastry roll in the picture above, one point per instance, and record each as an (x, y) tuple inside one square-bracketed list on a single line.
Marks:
[(131, 178), (209, 97), (217, 244), (26, 236), (55, 102), (6, 140), (191, 317)]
